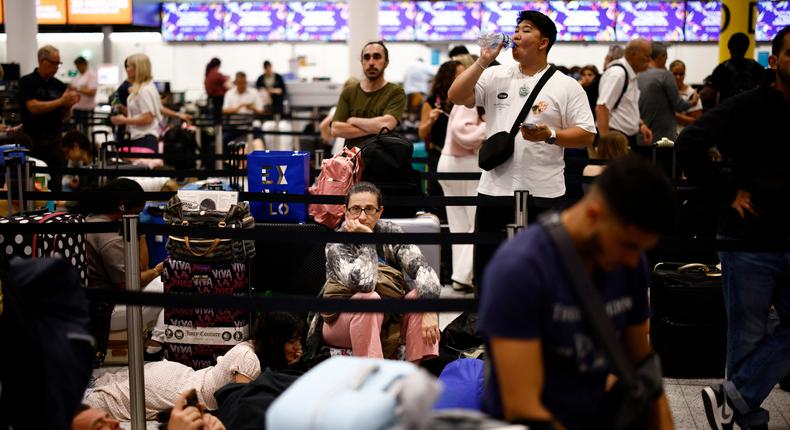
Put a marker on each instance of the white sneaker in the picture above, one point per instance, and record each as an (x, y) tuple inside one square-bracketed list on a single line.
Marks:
[(717, 409)]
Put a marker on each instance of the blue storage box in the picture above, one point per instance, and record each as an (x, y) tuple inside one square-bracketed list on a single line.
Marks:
[(284, 172)]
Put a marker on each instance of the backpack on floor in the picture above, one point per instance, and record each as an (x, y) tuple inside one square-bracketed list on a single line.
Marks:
[(337, 175)]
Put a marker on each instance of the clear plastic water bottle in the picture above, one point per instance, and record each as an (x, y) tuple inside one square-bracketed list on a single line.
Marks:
[(492, 40)]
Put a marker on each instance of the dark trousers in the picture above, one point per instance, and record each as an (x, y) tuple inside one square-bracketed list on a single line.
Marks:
[(215, 104), (49, 150), (494, 219), (82, 119)]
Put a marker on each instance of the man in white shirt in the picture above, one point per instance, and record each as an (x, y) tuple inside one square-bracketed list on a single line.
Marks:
[(85, 84), (560, 113), (241, 100), (618, 94)]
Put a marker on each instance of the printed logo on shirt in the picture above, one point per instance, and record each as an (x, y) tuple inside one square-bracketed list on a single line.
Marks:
[(503, 100)]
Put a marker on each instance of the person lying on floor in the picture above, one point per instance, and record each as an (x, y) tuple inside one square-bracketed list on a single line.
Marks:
[(183, 417), (276, 342), (365, 272)]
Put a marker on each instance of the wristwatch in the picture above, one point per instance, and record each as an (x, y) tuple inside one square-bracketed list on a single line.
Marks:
[(552, 140)]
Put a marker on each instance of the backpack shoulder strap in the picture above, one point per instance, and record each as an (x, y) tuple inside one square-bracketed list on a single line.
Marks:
[(590, 304), (625, 85)]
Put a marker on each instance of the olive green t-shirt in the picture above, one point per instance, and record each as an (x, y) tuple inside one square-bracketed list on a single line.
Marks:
[(354, 102)]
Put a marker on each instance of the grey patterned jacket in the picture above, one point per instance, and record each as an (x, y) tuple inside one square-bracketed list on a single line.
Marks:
[(356, 265)]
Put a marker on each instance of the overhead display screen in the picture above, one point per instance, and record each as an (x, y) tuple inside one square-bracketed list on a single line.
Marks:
[(584, 20), (100, 12), (255, 21), (192, 21), (447, 20), (703, 21), (771, 17), (396, 20), (653, 20), (146, 13), (51, 11), (317, 21), (501, 17)]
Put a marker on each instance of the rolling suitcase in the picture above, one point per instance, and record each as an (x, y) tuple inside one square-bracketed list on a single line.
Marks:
[(69, 246), (688, 322), (424, 223)]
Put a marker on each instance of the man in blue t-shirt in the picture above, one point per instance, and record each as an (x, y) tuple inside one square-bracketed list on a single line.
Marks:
[(546, 369)]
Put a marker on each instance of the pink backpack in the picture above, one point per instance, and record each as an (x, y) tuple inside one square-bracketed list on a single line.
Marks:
[(337, 175)]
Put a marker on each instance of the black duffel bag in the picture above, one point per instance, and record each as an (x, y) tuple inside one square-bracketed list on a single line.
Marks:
[(688, 327)]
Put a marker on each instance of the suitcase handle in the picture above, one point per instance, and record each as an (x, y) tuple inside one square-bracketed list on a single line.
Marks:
[(703, 267)]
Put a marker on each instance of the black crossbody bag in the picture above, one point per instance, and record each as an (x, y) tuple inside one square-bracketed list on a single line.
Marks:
[(499, 148), (627, 405)]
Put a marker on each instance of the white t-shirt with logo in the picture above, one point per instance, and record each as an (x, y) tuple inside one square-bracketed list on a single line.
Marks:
[(535, 166)]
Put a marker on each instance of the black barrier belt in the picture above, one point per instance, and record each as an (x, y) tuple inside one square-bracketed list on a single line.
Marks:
[(287, 304), (179, 157), (418, 201), (260, 233), (288, 133), (149, 173), (61, 228), (263, 234)]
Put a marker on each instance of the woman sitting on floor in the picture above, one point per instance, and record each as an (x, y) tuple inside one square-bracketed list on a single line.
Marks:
[(276, 343)]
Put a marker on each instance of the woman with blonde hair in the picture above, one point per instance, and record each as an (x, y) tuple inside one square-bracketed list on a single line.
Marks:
[(609, 146), (144, 106)]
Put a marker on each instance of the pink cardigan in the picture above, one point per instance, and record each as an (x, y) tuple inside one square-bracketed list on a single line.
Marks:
[(465, 132)]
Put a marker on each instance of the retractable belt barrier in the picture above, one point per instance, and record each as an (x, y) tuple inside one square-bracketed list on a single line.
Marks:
[(290, 304), (178, 157), (94, 196), (265, 235)]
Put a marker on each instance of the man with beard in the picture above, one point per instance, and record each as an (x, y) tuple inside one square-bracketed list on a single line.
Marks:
[(364, 109), (560, 117), (546, 369), (748, 128)]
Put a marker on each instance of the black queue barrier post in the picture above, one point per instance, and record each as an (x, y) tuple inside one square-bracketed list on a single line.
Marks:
[(218, 145), (318, 158), (134, 323), (520, 216)]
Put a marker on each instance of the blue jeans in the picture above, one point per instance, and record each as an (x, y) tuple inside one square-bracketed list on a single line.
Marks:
[(758, 349)]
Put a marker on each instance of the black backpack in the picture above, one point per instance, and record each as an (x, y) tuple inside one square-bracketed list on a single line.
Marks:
[(47, 349), (177, 141), (386, 162)]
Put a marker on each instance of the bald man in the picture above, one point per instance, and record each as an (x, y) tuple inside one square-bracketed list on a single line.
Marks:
[(618, 94)]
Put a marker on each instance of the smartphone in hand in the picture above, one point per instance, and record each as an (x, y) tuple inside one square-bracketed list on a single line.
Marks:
[(192, 399), (529, 126)]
